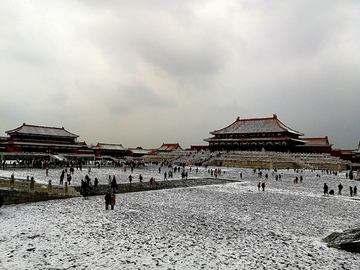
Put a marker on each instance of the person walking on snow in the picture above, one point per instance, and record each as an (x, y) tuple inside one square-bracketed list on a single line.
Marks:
[(112, 201), (107, 200), (340, 186), (326, 189)]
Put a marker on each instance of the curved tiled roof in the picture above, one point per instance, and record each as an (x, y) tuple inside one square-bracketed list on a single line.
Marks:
[(41, 131), (110, 146), (169, 147), (317, 141), (257, 125), (255, 139)]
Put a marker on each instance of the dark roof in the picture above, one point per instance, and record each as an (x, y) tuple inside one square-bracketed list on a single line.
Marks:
[(255, 139), (257, 125), (42, 131), (169, 147), (166, 147), (110, 146), (324, 141)]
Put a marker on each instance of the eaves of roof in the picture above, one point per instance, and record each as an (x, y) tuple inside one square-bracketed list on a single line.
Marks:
[(258, 125), (110, 147), (42, 131), (12, 143), (254, 139)]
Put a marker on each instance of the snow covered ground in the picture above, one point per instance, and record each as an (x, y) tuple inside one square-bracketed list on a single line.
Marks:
[(232, 226)]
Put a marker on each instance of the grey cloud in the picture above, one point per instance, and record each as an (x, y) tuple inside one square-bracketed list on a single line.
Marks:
[(129, 98), (172, 64)]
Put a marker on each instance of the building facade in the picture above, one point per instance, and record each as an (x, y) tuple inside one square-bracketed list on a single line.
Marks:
[(30, 138), (258, 134), (316, 145), (109, 149)]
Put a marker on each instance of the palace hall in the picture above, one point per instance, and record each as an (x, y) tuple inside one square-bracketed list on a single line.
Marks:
[(30, 138), (257, 134)]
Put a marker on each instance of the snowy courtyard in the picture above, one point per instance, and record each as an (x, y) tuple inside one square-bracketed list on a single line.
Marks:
[(230, 226)]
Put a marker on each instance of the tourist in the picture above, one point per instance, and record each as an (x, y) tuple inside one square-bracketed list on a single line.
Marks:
[(130, 179), (340, 186), (326, 189), (140, 178), (114, 185), (112, 202), (62, 177), (263, 186), (109, 179), (69, 179), (82, 188), (107, 200), (355, 190), (351, 191), (96, 182), (165, 176), (258, 185), (153, 183), (351, 175)]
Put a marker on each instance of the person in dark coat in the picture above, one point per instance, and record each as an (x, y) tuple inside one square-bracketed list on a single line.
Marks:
[(107, 200), (351, 191), (355, 190), (114, 185), (69, 179), (340, 186), (112, 200), (96, 182), (326, 189), (62, 176)]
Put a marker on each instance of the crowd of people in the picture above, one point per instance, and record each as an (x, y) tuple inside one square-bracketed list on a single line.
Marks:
[(353, 190)]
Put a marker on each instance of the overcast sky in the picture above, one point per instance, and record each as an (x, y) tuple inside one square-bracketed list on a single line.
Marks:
[(143, 73)]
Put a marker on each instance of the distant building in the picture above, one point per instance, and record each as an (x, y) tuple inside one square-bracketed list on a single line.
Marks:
[(138, 152), (356, 154), (166, 147), (257, 134), (109, 149), (30, 138), (315, 145)]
